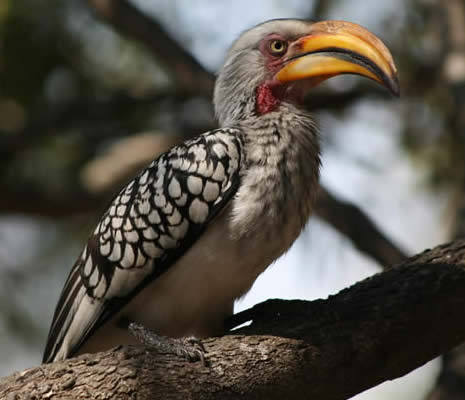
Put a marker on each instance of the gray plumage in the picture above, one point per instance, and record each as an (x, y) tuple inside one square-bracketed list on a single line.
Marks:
[(193, 231)]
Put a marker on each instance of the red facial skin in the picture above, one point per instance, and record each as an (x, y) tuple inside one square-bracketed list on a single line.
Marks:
[(271, 93), (266, 100)]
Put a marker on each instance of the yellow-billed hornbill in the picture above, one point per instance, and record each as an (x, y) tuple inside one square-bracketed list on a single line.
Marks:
[(191, 233)]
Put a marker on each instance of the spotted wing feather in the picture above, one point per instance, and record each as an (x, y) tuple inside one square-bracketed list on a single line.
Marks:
[(148, 226)]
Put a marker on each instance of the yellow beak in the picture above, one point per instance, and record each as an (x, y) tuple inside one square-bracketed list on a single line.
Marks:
[(337, 47)]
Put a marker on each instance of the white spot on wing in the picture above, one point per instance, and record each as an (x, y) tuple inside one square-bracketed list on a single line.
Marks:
[(168, 209), (199, 152), (211, 191), (219, 150), (198, 211), (143, 188), (160, 200), (105, 249), (150, 234), (88, 266), (154, 217), (128, 225), (140, 223), (175, 218), (118, 236), (131, 236), (167, 242), (180, 230), (116, 222), (174, 188), (125, 198), (182, 200), (106, 222), (207, 169), (219, 174), (232, 151), (151, 249), (194, 184), (140, 259), (116, 253), (143, 178), (144, 207), (93, 280), (128, 259), (106, 234)]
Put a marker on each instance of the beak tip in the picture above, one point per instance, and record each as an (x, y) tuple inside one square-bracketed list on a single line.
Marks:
[(393, 86)]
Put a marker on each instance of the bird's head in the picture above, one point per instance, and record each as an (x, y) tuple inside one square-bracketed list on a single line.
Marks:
[(281, 60)]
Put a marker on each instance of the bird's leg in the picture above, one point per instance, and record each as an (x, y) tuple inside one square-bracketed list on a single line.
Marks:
[(190, 347)]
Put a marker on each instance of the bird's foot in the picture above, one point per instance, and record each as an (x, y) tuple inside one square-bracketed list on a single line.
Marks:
[(190, 347)]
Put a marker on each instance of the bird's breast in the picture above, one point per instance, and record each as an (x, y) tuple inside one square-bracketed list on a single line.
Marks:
[(278, 190)]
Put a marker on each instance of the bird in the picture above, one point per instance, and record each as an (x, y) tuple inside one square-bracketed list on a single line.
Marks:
[(194, 229)]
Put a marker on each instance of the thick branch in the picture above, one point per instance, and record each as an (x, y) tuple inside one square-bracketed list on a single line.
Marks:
[(451, 381), (379, 329), (83, 111)]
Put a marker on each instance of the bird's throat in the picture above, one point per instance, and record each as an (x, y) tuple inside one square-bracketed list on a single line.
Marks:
[(267, 98)]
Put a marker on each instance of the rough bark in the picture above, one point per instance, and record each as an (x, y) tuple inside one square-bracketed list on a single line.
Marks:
[(379, 329), (451, 381)]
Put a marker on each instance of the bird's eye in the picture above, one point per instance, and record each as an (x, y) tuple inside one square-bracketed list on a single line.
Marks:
[(277, 47)]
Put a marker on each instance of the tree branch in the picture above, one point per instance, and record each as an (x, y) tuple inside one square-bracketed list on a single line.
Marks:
[(362, 231), (451, 381), (87, 111), (379, 329), (125, 17)]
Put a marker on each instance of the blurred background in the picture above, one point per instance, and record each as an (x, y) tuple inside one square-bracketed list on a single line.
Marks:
[(91, 90)]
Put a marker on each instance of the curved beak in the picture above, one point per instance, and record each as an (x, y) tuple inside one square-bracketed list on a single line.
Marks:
[(338, 47)]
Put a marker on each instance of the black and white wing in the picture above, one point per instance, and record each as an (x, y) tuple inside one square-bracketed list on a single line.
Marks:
[(148, 226)]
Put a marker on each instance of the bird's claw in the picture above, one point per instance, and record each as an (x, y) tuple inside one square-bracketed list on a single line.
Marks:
[(190, 348)]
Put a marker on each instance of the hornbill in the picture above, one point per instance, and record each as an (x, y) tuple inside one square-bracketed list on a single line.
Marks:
[(191, 233)]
